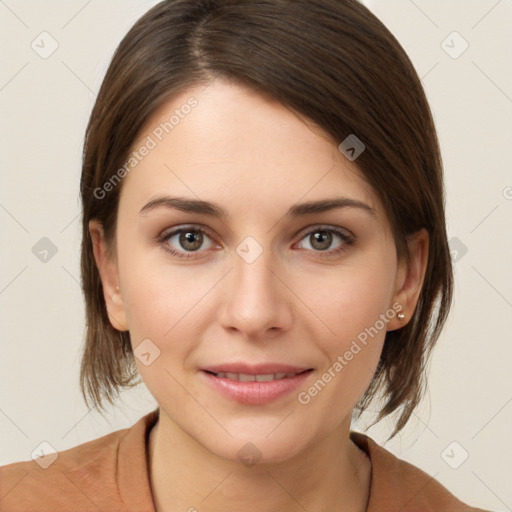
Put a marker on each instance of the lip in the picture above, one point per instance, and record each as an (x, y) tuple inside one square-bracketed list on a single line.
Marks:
[(254, 369), (255, 392)]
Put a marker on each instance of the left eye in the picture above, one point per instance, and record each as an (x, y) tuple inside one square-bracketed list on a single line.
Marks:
[(321, 239)]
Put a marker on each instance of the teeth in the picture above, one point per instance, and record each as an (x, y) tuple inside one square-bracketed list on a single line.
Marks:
[(265, 378), (245, 377)]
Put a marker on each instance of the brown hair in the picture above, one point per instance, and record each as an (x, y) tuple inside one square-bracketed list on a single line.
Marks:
[(331, 61)]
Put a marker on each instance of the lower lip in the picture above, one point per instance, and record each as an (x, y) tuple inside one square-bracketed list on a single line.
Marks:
[(256, 393)]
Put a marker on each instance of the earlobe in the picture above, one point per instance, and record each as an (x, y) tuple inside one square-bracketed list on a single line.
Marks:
[(107, 268), (410, 278)]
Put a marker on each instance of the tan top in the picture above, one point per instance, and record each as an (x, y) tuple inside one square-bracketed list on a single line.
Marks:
[(110, 474)]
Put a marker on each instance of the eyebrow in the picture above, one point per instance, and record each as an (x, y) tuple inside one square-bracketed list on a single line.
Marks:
[(214, 210)]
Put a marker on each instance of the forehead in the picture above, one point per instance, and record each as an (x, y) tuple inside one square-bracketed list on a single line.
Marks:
[(230, 142)]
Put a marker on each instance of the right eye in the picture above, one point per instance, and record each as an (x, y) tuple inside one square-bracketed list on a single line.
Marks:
[(185, 242)]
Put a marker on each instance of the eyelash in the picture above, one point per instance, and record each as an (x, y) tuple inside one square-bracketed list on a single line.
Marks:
[(165, 237)]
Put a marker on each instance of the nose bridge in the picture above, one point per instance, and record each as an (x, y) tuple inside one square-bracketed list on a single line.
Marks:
[(253, 274), (257, 299)]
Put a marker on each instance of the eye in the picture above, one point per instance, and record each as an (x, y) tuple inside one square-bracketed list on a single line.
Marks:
[(186, 241), (321, 238)]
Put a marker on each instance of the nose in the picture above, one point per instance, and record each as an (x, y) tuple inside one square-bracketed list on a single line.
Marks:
[(256, 299)]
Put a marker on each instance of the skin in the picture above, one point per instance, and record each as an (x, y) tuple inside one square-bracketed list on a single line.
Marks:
[(294, 304)]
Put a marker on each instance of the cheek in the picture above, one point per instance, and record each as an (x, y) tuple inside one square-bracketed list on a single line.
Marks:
[(352, 306), (160, 307), (155, 295), (350, 359), (349, 299), (167, 304)]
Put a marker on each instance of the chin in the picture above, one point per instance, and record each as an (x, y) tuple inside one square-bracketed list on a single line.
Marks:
[(261, 442), (258, 452)]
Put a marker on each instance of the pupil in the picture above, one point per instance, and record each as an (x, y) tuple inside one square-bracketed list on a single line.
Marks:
[(188, 238), (322, 236)]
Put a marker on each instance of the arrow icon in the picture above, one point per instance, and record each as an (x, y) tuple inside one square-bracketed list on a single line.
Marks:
[(352, 147), (44, 250), (454, 45), (457, 249), (147, 352), (44, 45), (249, 454), (454, 455), (249, 253), (44, 454)]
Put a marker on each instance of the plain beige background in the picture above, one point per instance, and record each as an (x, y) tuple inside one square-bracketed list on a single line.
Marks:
[(461, 432)]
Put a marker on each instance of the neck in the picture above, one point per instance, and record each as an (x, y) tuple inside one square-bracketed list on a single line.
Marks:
[(185, 476)]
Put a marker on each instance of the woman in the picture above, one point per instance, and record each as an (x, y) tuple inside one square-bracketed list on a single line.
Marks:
[(264, 241)]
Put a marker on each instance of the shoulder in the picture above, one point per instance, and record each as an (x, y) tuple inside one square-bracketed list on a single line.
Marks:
[(97, 475), (57, 479), (399, 485)]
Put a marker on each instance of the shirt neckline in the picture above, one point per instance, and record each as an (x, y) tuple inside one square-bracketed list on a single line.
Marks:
[(135, 486)]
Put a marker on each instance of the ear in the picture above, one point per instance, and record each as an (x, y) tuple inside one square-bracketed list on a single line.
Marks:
[(410, 277), (107, 267)]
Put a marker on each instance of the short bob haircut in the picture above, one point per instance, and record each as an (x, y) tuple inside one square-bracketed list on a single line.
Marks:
[(329, 61)]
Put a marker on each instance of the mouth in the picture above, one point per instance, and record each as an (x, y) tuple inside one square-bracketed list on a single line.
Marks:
[(255, 384), (261, 377)]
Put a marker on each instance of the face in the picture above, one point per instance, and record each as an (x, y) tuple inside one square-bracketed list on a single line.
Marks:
[(255, 318)]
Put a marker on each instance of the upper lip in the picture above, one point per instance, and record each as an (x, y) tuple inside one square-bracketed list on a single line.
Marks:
[(255, 369)]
